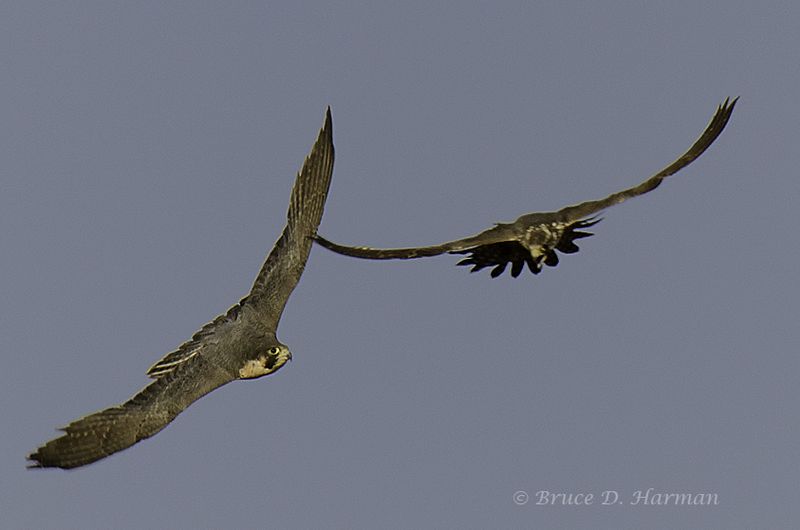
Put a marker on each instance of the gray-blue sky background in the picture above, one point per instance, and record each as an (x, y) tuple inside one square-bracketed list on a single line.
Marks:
[(147, 155)]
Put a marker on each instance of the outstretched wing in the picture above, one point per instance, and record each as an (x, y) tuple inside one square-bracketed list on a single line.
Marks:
[(497, 234), (501, 245), (108, 431), (711, 133), (284, 265), (382, 253)]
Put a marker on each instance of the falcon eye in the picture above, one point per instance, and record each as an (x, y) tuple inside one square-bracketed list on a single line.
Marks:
[(274, 350)]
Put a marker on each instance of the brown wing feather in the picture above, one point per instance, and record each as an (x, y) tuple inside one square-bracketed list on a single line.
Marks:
[(710, 134), (195, 345), (108, 431), (496, 234), (384, 253), (284, 265)]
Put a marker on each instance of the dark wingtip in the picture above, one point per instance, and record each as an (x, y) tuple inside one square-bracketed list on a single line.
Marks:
[(328, 125), (34, 461), (725, 109)]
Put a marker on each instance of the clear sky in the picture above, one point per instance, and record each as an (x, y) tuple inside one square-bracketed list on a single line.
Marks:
[(148, 150)]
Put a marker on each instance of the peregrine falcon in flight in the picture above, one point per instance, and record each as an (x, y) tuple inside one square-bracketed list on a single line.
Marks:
[(241, 344), (533, 238)]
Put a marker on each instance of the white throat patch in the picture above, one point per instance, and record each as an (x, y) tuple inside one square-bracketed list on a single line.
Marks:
[(254, 368)]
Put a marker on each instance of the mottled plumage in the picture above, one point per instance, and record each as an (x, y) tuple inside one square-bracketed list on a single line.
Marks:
[(241, 344), (534, 238)]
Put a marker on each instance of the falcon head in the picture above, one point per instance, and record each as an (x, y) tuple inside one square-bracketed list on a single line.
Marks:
[(267, 362)]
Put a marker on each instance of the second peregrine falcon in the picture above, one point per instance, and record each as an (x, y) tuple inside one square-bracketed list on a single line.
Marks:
[(534, 238)]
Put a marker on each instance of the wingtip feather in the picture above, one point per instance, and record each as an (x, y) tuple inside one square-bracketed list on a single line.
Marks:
[(327, 126)]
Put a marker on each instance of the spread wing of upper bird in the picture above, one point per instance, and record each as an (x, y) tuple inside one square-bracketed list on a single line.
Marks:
[(534, 238), (241, 344)]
